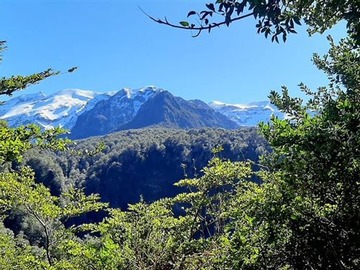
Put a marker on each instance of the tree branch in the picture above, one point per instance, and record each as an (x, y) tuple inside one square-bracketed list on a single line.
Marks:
[(46, 231), (198, 28)]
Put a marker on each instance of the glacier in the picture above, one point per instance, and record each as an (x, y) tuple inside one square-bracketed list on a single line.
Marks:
[(60, 109), (250, 114)]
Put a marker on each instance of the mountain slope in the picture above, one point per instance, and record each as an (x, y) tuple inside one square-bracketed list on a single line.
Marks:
[(88, 113), (59, 109), (163, 109), (109, 114)]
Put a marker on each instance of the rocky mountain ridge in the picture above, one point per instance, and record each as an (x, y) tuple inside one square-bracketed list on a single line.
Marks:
[(88, 113)]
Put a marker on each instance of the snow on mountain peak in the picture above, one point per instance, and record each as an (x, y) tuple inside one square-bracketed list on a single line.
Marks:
[(58, 109), (144, 91), (219, 104), (136, 97), (77, 93), (64, 107), (250, 114)]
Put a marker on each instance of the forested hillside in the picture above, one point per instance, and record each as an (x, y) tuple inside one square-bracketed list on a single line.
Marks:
[(145, 162)]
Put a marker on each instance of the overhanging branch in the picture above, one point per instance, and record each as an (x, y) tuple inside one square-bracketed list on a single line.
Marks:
[(196, 28)]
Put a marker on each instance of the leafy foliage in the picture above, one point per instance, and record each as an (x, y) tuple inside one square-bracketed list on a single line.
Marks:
[(15, 83), (19, 193), (14, 142), (150, 236), (48, 212), (317, 158), (275, 18)]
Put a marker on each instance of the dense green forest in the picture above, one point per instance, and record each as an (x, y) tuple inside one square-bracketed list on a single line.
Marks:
[(298, 208), (145, 162)]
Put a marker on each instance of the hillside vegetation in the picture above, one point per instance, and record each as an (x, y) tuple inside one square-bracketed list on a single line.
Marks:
[(145, 162)]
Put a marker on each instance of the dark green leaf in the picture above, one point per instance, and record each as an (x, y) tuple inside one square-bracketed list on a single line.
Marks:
[(211, 6), (297, 20), (191, 13), (185, 24)]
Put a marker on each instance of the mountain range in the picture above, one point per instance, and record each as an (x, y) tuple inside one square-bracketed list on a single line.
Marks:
[(88, 113)]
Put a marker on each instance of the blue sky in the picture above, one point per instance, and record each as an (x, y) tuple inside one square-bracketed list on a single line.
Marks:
[(115, 45)]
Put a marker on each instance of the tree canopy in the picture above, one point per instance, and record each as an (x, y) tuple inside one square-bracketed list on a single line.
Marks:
[(275, 18)]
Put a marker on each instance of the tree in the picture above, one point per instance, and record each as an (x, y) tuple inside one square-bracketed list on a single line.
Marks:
[(19, 192), (305, 214), (317, 158), (16, 83), (48, 212), (151, 236), (275, 18)]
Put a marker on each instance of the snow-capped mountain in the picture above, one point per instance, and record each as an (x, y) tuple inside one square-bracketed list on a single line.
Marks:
[(113, 112), (59, 109), (250, 114), (165, 110), (88, 113)]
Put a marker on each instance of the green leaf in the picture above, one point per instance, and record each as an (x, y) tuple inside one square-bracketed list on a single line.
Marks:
[(185, 24)]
